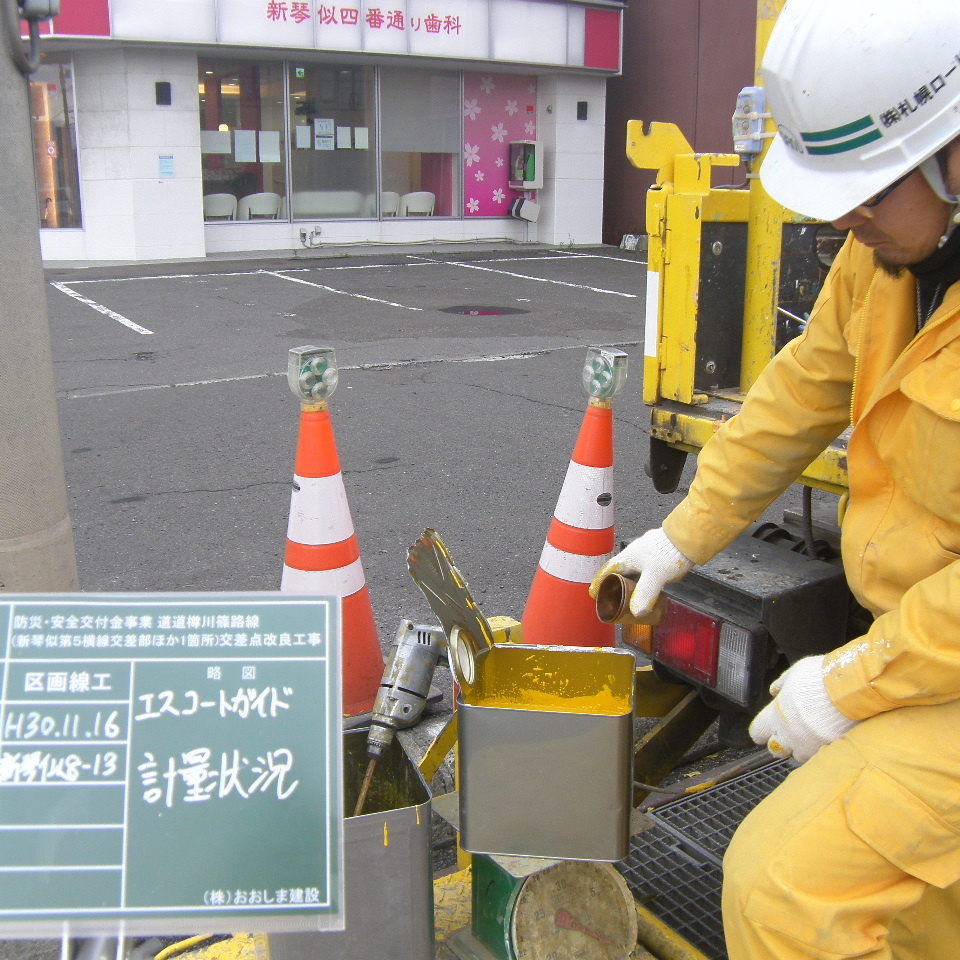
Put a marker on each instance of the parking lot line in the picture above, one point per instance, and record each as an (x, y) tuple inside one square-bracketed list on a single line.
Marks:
[(524, 276), (100, 308), (345, 293), (86, 394)]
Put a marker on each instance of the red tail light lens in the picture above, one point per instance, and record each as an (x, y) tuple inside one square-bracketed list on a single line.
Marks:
[(688, 641)]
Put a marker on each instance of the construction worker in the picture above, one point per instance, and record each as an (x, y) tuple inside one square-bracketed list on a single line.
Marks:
[(857, 853)]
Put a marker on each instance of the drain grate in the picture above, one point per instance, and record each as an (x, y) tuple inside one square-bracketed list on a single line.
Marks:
[(674, 868)]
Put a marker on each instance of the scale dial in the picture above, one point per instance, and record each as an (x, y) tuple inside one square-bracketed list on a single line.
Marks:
[(574, 910)]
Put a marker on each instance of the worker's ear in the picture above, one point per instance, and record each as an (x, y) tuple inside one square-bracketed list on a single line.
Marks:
[(951, 173)]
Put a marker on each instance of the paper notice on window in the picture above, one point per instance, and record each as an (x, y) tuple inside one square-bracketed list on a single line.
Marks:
[(344, 138), (269, 146), (323, 134), (303, 138), (245, 146), (361, 138), (215, 141)]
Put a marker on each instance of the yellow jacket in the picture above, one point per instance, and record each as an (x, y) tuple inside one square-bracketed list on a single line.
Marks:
[(859, 362)]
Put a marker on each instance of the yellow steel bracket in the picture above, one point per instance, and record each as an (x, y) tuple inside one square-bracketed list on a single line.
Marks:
[(665, 149), (656, 149), (437, 752), (675, 214)]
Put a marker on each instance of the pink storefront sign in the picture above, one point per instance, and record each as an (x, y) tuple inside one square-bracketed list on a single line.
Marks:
[(78, 18)]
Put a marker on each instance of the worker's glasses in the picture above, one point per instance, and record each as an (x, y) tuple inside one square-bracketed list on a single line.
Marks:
[(883, 194)]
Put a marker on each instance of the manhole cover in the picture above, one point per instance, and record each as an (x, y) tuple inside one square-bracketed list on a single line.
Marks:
[(472, 311)]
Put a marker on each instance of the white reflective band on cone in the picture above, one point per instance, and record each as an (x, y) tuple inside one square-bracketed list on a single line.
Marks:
[(342, 582), (577, 505), (573, 567), (319, 511)]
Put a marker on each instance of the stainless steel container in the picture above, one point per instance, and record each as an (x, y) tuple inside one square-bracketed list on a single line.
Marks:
[(546, 753), (388, 874)]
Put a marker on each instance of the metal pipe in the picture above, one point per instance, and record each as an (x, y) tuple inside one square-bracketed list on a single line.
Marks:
[(665, 944)]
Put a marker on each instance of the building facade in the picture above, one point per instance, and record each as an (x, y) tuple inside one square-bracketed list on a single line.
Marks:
[(684, 61), (189, 127)]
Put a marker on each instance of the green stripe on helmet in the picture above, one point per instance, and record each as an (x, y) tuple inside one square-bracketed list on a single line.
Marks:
[(846, 145), (837, 133)]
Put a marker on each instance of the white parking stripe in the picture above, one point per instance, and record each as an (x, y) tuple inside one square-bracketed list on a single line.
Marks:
[(523, 276), (176, 276), (82, 394), (100, 308), (345, 293)]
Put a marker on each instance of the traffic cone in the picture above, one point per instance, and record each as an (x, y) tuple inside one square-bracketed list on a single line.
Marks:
[(323, 556), (559, 609)]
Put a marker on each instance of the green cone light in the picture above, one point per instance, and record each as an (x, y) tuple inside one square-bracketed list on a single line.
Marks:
[(312, 373), (604, 373)]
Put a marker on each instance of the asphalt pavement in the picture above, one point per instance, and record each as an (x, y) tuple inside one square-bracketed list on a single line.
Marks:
[(458, 407)]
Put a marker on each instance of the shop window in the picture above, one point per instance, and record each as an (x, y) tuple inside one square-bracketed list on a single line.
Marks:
[(333, 158), (55, 143), (420, 140), (241, 140)]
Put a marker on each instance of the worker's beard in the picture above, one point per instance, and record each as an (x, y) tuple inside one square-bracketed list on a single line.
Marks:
[(894, 270)]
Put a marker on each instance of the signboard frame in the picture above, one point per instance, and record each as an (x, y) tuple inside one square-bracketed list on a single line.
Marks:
[(170, 763)]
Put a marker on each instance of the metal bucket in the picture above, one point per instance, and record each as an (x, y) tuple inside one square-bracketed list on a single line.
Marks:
[(388, 874), (546, 753)]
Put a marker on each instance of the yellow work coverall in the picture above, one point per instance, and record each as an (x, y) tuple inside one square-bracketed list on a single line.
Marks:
[(857, 853)]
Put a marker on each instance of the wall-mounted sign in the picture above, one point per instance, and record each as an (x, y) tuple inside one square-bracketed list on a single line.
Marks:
[(514, 31)]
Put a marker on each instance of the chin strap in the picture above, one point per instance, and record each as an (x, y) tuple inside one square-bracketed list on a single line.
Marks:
[(933, 174)]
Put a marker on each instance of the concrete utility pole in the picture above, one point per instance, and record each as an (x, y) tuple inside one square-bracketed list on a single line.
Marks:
[(36, 536)]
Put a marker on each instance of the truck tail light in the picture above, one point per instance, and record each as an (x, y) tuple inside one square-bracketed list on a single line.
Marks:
[(734, 663), (689, 642)]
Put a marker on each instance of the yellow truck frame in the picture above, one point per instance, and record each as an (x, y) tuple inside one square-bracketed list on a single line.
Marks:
[(729, 281)]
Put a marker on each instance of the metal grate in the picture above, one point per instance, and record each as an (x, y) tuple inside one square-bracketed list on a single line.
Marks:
[(680, 890), (674, 868), (707, 820)]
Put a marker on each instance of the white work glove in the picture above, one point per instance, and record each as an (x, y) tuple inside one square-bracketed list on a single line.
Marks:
[(656, 560), (802, 718)]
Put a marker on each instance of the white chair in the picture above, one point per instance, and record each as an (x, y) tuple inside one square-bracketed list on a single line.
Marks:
[(259, 206), (417, 204), (318, 204), (389, 203), (219, 206)]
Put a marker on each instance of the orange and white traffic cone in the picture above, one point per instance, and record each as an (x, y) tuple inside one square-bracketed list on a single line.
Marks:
[(559, 608), (323, 556), (580, 540)]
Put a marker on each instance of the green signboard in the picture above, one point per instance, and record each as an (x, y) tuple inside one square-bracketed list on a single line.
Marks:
[(170, 763)]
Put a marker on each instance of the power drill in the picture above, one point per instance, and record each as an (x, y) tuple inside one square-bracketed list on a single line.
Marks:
[(403, 691)]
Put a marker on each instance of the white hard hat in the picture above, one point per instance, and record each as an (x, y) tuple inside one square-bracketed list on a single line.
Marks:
[(862, 91)]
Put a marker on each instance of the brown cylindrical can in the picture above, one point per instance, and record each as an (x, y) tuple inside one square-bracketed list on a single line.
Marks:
[(613, 598), (613, 601)]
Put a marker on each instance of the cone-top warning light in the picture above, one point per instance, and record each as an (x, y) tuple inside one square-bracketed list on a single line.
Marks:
[(312, 373), (604, 373)]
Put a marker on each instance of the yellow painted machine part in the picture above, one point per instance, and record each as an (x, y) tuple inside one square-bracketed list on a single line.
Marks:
[(764, 231), (677, 207), (437, 752), (690, 432)]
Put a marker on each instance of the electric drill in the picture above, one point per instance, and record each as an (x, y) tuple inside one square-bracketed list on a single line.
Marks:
[(403, 690)]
